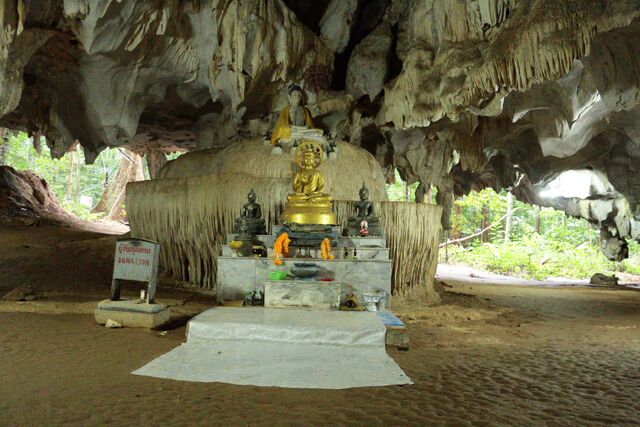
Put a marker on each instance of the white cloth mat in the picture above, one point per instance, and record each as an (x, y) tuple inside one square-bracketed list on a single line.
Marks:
[(282, 348)]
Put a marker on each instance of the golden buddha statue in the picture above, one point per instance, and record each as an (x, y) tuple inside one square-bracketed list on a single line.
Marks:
[(309, 204)]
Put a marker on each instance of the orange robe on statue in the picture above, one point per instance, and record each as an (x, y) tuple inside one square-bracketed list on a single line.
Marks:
[(282, 129)]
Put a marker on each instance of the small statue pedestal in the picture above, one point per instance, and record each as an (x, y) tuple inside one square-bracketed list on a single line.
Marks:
[(132, 313)]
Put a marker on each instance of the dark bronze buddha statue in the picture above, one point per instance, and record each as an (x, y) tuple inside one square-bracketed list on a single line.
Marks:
[(251, 216), (365, 222)]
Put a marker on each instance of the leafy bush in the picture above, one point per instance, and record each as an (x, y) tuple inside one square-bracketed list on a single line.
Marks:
[(81, 211)]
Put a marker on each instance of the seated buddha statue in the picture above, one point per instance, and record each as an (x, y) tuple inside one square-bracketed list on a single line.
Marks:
[(295, 114), (251, 216), (365, 222), (309, 204)]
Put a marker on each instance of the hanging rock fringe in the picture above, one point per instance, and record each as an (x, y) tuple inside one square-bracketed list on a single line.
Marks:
[(413, 236), (251, 159), (191, 217), (538, 42)]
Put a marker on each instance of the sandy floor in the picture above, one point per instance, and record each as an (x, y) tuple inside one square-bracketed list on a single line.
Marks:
[(490, 355)]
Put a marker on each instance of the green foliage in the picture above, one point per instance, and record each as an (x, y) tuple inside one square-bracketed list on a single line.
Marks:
[(563, 247), (86, 180), (80, 210), (538, 257)]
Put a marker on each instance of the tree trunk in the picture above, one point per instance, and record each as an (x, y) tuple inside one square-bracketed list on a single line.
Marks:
[(420, 193), (485, 223), (536, 218), (507, 225), (69, 187), (4, 145), (155, 160), (456, 231), (113, 196), (36, 142), (78, 174)]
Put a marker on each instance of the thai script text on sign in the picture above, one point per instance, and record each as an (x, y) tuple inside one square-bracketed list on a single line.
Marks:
[(136, 260)]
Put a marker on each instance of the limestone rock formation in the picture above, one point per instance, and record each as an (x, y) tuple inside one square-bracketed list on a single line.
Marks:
[(336, 24), (108, 72), (249, 163), (368, 64)]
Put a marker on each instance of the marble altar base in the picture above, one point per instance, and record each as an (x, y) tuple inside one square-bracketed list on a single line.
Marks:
[(302, 293), (237, 276)]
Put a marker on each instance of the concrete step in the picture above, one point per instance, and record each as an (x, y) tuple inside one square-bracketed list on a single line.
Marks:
[(286, 325)]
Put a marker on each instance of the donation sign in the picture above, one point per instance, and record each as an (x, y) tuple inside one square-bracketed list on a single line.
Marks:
[(136, 259)]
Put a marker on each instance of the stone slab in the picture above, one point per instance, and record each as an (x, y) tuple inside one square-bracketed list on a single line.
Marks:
[(397, 337), (362, 253), (342, 242), (237, 276), (336, 229), (132, 314), (302, 293), (360, 242), (136, 306)]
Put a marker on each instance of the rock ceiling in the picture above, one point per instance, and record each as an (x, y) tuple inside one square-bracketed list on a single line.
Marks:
[(458, 93)]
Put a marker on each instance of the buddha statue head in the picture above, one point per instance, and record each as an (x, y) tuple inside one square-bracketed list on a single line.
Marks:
[(309, 155), (295, 95), (251, 197), (308, 160), (364, 193)]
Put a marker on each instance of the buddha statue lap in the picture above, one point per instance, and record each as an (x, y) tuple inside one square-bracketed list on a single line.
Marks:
[(364, 223), (251, 216)]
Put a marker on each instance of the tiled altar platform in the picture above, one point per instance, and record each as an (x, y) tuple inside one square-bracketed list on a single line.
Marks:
[(363, 268), (238, 275)]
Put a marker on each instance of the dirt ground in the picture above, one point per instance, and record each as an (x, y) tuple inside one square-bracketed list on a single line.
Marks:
[(489, 355)]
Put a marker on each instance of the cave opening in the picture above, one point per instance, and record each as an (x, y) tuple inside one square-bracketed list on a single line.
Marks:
[(499, 240), (495, 233), (68, 190)]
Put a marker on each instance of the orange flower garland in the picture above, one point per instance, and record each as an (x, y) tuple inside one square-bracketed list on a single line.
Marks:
[(281, 248), (325, 249)]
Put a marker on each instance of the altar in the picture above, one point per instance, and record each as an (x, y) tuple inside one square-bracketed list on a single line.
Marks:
[(303, 268), (368, 272)]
